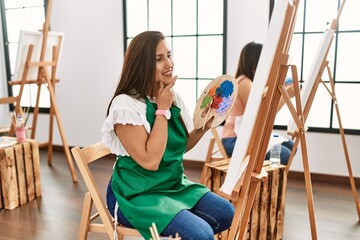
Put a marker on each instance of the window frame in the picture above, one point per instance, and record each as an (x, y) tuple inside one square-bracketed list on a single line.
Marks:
[(197, 78), (304, 33), (8, 73)]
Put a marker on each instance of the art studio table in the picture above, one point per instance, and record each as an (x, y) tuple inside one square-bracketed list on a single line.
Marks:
[(19, 173)]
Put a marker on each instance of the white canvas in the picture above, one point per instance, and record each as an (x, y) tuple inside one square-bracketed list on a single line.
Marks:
[(35, 38), (237, 163), (313, 73)]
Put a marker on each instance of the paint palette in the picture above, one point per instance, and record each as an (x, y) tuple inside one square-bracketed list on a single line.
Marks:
[(216, 101)]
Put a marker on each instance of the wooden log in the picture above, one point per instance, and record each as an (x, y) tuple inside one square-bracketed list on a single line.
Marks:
[(274, 184), (19, 174), (8, 178), (281, 207), (267, 213), (20, 169), (29, 172), (36, 165), (264, 209), (216, 180)]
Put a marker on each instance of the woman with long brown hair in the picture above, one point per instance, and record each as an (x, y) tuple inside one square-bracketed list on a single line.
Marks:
[(149, 129)]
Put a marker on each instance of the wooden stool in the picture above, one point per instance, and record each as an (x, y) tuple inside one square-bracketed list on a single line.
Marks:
[(267, 213), (19, 174)]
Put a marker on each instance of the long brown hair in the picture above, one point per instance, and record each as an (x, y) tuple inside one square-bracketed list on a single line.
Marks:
[(248, 60), (137, 77)]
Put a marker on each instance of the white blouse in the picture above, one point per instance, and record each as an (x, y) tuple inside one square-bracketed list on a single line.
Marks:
[(128, 110)]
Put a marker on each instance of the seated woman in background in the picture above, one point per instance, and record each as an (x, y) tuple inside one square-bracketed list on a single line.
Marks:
[(246, 68)]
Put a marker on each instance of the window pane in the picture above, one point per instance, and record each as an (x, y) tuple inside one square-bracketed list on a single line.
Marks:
[(210, 16), (347, 95), (160, 16), (348, 57), (18, 19), (299, 17), (37, 16), (350, 17), (184, 24), (319, 13), (319, 115), (15, 20), (284, 115), (135, 23), (187, 89), (210, 57), (13, 47), (22, 3), (29, 96), (184, 52)]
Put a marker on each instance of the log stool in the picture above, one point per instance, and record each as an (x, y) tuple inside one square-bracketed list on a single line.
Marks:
[(19, 174), (267, 213)]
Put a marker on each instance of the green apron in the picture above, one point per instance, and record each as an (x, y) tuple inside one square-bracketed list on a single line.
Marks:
[(147, 196)]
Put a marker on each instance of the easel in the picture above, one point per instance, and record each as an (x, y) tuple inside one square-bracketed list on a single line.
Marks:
[(49, 80), (244, 191), (301, 128)]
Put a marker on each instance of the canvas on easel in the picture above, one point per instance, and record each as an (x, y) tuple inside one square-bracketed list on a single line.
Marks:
[(37, 65), (308, 92), (245, 170), (54, 39)]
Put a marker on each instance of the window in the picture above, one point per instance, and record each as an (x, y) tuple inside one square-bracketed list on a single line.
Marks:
[(343, 63), (17, 15), (194, 30)]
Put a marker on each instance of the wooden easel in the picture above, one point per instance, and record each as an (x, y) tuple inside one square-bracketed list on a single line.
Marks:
[(325, 66), (49, 80), (244, 191)]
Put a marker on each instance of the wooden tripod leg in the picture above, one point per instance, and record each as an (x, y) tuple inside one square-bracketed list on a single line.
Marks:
[(342, 133), (348, 164), (51, 127), (308, 186), (51, 110), (61, 130), (36, 110), (239, 206), (249, 203)]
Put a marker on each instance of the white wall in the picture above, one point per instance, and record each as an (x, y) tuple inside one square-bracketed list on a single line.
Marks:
[(91, 63), (247, 21)]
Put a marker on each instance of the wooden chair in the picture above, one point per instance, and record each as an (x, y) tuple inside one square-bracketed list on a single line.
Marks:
[(215, 157), (83, 158)]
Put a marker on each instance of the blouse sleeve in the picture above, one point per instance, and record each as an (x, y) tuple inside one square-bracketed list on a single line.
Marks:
[(123, 110)]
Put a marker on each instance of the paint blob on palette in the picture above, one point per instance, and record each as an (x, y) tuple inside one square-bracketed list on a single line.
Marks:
[(216, 101)]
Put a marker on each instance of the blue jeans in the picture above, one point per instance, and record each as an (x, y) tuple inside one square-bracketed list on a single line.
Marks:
[(286, 147), (211, 215)]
